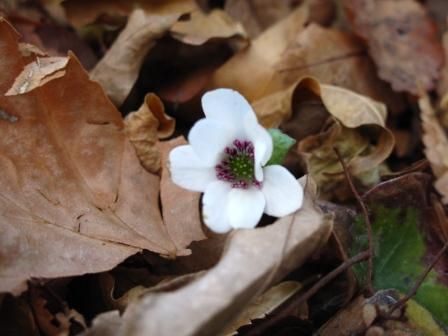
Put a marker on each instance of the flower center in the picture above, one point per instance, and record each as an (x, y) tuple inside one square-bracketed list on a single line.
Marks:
[(237, 166)]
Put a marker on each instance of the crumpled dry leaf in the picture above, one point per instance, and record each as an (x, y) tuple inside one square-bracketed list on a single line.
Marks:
[(180, 207), (82, 12), (360, 316), (363, 151), (74, 197), (118, 70), (252, 261), (260, 57), (37, 73), (145, 126), (258, 15), (295, 51), (402, 39), (202, 27), (263, 305), (436, 146)]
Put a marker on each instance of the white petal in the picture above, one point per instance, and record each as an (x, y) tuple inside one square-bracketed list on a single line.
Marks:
[(209, 139), (282, 191), (188, 171), (226, 106), (262, 142), (214, 206), (245, 207)]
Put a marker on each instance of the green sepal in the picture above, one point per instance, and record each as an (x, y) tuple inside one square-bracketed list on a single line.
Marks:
[(281, 145)]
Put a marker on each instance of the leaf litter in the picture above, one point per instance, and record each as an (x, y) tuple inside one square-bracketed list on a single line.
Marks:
[(88, 207)]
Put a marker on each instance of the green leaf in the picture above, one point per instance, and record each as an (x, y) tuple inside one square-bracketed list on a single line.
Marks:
[(399, 250), (282, 143)]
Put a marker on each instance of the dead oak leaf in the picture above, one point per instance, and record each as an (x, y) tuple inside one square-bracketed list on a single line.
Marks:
[(402, 41), (145, 126), (436, 146), (74, 197)]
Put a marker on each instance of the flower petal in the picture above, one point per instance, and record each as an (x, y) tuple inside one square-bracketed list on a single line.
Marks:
[(262, 141), (209, 139), (214, 207), (245, 207), (188, 171), (282, 191), (226, 106)]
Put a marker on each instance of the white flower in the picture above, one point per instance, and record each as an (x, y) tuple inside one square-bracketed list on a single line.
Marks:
[(226, 160)]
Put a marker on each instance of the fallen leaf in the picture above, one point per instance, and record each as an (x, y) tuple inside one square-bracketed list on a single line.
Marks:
[(118, 70), (144, 127), (260, 57), (74, 197), (263, 305), (201, 27), (436, 146), (402, 40), (340, 117), (296, 51), (360, 317), (180, 207), (37, 73), (83, 12), (398, 263), (258, 15), (252, 261)]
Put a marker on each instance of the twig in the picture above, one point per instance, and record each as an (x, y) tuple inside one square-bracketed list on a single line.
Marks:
[(400, 303), (298, 299), (369, 286)]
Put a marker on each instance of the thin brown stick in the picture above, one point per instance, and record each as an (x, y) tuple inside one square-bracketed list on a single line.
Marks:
[(400, 303), (369, 286), (298, 299)]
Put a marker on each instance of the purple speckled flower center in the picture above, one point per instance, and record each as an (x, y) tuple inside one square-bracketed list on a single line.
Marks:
[(237, 165)]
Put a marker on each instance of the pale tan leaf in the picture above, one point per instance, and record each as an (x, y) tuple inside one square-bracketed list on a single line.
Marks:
[(252, 261), (200, 28), (258, 15), (83, 12), (436, 146), (118, 70), (289, 50), (260, 57), (74, 197), (143, 128), (37, 73), (263, 305), (305, 107)]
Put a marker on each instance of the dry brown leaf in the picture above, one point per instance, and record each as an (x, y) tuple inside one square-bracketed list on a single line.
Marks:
[(145, 126), (180, 207), (74, 197), (263, 305), (436, 146), (289, 51), (402, 40), (252, 261), (351, 111), (361, 317), (82, 12), (257, 61), (201, 27), (258, 15), (37, 73), (118, 70)]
